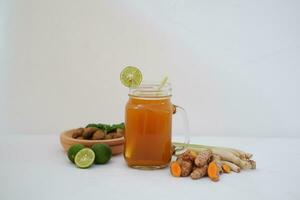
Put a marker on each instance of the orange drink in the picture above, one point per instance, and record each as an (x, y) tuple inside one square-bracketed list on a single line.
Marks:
[(148, 126), (148, 131)]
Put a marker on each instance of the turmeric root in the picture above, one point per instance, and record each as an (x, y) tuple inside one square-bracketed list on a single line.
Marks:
[(226, 168), (232, 166), (181, 167), (200, 160), (189, 158), (213, 171), (203, 158), (188, 155), (199, 172), (175, 169), (186, 166)]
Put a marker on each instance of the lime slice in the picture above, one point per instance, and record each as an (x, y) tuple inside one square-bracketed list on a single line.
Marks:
[(131, 77), (85, 158)]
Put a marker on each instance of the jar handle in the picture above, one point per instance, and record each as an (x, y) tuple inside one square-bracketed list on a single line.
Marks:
[(181, 110)]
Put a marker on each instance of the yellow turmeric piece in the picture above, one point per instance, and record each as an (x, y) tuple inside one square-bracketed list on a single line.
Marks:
[(175, 169), (213, 171), (226, 168)]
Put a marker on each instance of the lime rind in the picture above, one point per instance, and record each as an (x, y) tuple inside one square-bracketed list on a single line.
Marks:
[(84, 158), (131, 77), (73, 150), (102, 152)]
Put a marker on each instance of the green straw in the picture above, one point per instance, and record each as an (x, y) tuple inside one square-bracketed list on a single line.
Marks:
[(162, 83)]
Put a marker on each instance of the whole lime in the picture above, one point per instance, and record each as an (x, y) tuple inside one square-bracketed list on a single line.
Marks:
[(102, 153), (73, 150)]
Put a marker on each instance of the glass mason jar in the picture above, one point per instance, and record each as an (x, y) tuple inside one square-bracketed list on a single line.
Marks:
[(148, 126)]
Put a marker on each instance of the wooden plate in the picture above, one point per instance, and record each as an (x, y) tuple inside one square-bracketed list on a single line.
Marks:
[(66, 141)]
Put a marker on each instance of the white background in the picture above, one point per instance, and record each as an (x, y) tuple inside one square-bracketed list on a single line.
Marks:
[(234, 65)]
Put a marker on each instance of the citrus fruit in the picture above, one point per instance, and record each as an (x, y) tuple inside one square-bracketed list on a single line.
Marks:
[(102, 153), (84, 158), (131, 76), (73, 150)]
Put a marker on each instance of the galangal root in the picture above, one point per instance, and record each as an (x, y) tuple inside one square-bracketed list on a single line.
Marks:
[(199, 161)]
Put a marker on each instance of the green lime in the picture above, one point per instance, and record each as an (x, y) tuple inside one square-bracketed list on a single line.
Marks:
[(102, 152), (85, 158), (131, 77), (73, 150)]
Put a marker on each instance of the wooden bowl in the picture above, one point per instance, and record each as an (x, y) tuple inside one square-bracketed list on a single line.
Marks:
[(66, 141)]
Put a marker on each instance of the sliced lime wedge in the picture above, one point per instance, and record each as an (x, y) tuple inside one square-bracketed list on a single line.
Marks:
[(84, 158), (131, 77)]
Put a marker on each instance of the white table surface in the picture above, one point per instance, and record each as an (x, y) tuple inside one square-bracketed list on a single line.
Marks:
[(35, 167)]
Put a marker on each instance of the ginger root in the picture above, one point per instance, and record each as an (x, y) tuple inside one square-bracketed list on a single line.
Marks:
[(232, 166), (252, 163), (217, 160)]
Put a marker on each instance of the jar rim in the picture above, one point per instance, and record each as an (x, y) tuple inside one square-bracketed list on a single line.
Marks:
[(150, 89)]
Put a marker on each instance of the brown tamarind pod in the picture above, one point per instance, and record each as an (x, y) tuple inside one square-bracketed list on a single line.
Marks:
[(88, 132), (117, 135), (120, 131), (77, 132), (98, 135), (108, 136)]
